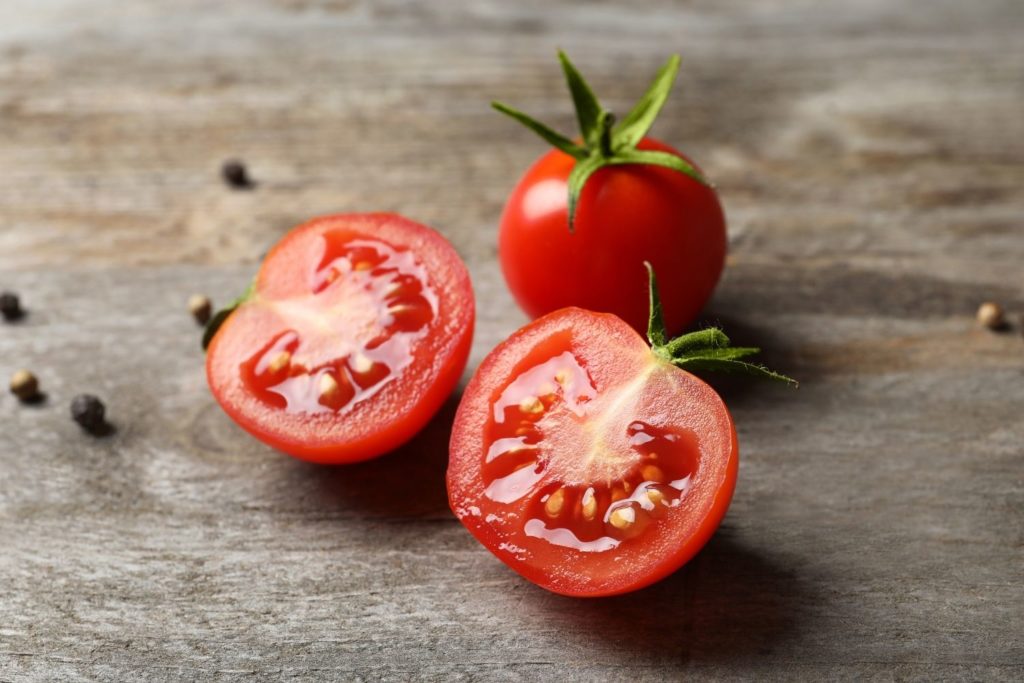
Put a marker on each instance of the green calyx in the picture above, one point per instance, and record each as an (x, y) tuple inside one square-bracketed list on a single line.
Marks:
[(605, 142), (220, 316), (704, 350)]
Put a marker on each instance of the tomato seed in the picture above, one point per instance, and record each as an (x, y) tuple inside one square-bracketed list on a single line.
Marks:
[(652, 473), (589, 504), (279, 362), (328, 385), (531, 405), (622, 518), (555, 502), (361, 363)]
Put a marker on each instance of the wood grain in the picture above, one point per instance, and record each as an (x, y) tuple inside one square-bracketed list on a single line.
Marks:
[(870, 156)]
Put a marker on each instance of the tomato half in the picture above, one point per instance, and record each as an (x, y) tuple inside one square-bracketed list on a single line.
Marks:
[(585, 462), (627, 214), (357, 329)]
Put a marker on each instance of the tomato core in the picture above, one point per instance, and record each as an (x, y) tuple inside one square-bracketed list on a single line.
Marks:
[(349, 333), (623, 480)]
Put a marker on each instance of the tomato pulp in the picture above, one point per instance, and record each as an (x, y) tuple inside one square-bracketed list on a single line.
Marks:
[(356, 330), (587, 463), (626, 215)]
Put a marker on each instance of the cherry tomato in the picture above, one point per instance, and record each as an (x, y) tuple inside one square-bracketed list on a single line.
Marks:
[(627, 214), (356, 330), (586, 462)]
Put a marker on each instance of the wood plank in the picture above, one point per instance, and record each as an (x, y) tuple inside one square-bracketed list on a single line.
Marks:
[(871, 160)]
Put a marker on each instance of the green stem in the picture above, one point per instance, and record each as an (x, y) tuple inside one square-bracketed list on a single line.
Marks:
[(607, 124), (604, 142), (701, 351)]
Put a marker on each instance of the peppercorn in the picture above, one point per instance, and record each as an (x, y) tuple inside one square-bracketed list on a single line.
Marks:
[(991, 315), (200, 308), (89, 412), (10, 306), (236, 175), (24, 385)]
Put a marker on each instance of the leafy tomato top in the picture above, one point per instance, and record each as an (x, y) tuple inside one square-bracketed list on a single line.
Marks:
[(356, 329), (626, 215), (586, 462), (580, 224)]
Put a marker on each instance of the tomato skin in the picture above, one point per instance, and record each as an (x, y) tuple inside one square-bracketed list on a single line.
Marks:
[(403, 407), (620, 362), (626, 215)]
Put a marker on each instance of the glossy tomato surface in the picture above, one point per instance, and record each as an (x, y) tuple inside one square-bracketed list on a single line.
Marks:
[(358, 328), (626, 215), (586, 463)]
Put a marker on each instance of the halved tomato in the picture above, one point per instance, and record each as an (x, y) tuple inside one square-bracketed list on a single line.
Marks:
[(356, 329), (587, 461)]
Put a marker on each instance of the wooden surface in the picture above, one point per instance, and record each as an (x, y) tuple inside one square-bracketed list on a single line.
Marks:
[(870, 156)]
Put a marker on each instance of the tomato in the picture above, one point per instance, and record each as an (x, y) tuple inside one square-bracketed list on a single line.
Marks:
[(578, 227), (356, 329), (586, 461), (627, 214)]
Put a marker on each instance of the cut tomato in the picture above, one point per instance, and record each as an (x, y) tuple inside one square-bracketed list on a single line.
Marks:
[(587, 462), (356, 329)]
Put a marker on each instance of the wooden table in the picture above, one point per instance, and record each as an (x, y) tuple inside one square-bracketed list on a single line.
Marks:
[(870, 156)]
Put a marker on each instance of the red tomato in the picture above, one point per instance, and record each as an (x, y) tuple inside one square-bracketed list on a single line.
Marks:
[(358, 328), (627, 214), (587, 463)]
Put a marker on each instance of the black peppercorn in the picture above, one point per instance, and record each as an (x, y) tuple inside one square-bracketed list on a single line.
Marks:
[(236, 175), (89, 412), (10, 306)]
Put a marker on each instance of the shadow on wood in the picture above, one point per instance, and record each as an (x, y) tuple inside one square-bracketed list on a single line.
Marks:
[(839, 289), (408, 482), (730, 601), (776, 354)]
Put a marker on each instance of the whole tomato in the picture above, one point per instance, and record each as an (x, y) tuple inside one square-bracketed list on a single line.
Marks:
[(581, 222)]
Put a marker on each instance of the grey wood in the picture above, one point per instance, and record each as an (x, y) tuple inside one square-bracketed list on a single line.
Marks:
[(870, 156)]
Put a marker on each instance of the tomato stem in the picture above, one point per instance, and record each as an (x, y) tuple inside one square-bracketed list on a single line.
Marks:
[(221, 316), (704, 350), (607, 122), (605, 142)]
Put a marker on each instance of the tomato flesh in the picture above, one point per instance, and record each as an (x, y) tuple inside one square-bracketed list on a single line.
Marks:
[(382, 303), (586, 463), (358, 329), (626, 215)]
